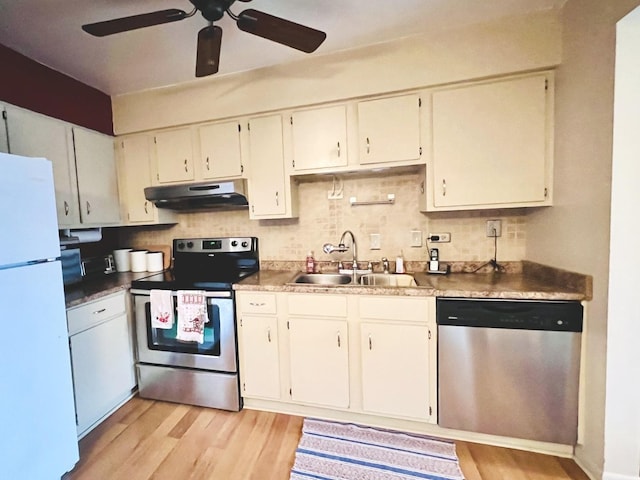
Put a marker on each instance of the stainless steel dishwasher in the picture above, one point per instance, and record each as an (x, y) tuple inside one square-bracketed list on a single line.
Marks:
[(509, 367)]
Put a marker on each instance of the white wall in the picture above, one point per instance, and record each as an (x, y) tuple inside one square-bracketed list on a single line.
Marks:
[(622, 413), (511, 45), (574, 234)]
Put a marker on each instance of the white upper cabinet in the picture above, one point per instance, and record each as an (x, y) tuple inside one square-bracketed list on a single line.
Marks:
[(135, 175), (174, 156), (97, 179), (389, 130), (4, 142), (492, 145), (34, 135), (220, 150), (269, 189), (319, 138)]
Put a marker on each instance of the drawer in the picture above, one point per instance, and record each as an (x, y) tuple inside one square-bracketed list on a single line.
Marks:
[(317, 305), (258, 303), (411, 309), (92, 313)]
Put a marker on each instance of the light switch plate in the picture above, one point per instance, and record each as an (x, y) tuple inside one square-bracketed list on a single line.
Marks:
[(374, 241), (416, 238)]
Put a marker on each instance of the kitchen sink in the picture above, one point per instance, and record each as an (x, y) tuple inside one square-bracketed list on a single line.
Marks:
[(323, 278), (368, 279), (388, 280)]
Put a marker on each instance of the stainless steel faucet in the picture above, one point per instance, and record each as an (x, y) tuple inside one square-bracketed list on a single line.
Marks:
[(385, 265), (329, 248)]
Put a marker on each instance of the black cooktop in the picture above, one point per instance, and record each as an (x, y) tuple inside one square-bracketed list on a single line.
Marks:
[(212, 264)]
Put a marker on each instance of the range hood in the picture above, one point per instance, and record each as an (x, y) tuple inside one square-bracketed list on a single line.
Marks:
[(197, 196)]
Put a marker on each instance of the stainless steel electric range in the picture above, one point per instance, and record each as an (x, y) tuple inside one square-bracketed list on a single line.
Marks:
[(204, 374)]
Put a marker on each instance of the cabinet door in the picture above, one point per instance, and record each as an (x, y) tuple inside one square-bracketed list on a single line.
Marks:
[(220, 150), (174, 155), (260, 369), (97, 178), (389, 130), (135, 173), (34, 135), (319, 362), (4, 143), (266, 178), (319, 138), (395, 369), (103, 374), (490, 144)]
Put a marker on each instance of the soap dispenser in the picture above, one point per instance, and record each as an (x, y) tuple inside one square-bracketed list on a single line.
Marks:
[(311, 262), (400, 263)]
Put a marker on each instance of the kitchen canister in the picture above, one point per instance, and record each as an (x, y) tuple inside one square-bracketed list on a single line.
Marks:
[(122, 259), (155, 262), (138, 260)]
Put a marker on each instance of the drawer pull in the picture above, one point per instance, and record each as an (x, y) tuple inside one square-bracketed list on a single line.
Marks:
[(186, 169), (370, 345), (338, 339), (269, 335), (256, 304), (99, 311)]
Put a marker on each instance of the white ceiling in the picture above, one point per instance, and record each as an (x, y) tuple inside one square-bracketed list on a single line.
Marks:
[(49, 32)]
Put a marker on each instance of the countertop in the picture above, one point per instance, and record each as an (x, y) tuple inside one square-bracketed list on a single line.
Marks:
[(528, 281), (532, 281), (96, 287)]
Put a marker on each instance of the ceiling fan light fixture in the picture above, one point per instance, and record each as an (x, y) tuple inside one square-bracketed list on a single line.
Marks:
[(208, 51)]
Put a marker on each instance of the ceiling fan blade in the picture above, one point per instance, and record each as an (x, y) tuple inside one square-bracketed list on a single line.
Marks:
[(208, 55), (280, 30), (118, 25)]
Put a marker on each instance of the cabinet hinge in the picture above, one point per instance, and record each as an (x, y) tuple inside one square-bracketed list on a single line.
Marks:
[(240, 321), (288, 325), (293, 163), (291, 120), (122, 145), (241, 168), (429, 334), (239, 128), (546, 84), (129, 216), (248, 127), (419, 102), (4, 114), (430, 411), (546, 192), (244, 387), (158, 176), (420, 151), (155, 140)]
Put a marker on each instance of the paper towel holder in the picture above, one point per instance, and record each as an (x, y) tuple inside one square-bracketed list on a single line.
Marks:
[(68, 236)]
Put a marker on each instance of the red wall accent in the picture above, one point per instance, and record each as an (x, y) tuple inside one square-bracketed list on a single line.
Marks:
[(31, 85)]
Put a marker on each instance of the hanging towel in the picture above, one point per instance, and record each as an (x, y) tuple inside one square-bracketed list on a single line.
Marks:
[(161, 309), (192, 315)]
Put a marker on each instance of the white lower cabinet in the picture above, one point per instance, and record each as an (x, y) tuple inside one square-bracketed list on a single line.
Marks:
[(101, 357), (367, 354), (319, 361)]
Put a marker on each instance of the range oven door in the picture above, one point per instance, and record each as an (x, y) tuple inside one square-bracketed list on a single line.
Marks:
[(161, 347)]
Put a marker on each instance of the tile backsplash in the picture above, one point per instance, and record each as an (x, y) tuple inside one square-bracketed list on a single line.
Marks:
[(322, 220)]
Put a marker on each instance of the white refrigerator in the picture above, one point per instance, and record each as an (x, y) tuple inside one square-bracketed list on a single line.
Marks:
[(38, 438)]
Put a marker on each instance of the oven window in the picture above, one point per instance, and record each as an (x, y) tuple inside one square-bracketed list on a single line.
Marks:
[(165, 340)]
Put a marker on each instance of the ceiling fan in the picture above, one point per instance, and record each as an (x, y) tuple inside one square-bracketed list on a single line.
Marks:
[(251, 21)]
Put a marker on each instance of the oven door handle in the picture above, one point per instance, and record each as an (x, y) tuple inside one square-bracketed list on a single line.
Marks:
[(206, 293)]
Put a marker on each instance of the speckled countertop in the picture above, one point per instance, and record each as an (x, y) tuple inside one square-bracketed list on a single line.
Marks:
[(94, 288), (528, 281), (522, 280)]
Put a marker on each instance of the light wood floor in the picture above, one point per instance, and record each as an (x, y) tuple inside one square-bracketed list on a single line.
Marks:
[(146, 439)]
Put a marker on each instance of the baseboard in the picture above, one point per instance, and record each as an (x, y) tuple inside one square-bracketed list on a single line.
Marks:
[(615, 476)]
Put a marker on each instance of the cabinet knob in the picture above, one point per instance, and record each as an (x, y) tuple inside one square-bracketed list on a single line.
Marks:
[(338, 339), (368, 146), (66, 208), (277, 199), (186, 168), (88, 208), (370, 344), (146, 210), (207, 162), (338, 149), (444, 187)]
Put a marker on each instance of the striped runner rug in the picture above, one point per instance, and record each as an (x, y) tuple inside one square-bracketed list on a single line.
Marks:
[(345, 451)]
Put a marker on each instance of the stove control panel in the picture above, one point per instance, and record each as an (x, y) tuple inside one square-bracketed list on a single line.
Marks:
[(210, 245)]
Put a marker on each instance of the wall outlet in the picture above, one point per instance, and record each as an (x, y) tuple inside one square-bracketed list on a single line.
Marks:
[(439, 237), (416, 238), (374, 241), (494, 228)]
